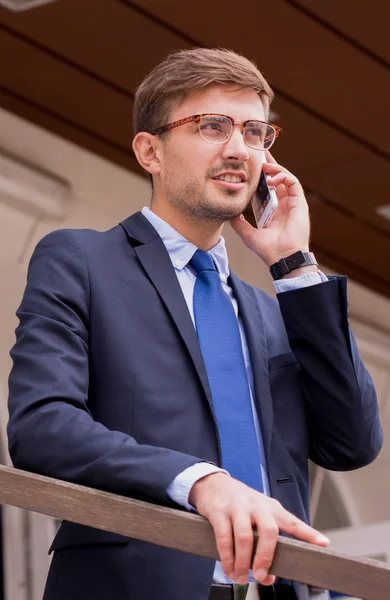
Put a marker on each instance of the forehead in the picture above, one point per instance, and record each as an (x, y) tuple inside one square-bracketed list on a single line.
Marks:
[(240, 104)]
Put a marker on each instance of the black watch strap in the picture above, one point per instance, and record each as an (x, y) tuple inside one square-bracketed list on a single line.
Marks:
[(294, 261)]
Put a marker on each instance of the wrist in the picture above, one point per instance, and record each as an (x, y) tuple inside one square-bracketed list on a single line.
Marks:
[(275, 257), (290, 264), (202, 484)]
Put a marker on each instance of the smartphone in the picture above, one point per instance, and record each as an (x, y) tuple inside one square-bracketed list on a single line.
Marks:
[(261, 209)]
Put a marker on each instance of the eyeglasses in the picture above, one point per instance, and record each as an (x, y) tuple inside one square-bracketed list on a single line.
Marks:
[(217, 129)]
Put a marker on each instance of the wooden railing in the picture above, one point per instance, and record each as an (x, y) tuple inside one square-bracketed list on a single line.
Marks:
[(363, 578)]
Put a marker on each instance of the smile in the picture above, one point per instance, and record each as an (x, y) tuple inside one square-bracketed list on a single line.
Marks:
[(237, 184), (230, 178)]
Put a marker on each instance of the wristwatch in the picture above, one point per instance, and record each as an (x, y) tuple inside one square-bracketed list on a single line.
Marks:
[(294, 261)]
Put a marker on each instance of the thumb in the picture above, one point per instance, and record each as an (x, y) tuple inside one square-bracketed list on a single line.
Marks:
[(244, 230)]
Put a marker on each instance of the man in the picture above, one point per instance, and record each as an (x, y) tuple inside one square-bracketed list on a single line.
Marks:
[(144, 367)]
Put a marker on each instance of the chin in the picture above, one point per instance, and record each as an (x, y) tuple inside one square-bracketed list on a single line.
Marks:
[(235, 206), (225, 213)]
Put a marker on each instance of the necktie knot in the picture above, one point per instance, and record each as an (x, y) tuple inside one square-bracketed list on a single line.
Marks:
[(202, 261)]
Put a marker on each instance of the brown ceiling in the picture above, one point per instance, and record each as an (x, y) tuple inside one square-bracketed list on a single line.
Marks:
[(72, 67)]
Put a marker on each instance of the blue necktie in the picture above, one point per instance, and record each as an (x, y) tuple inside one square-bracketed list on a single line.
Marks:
[(220, 344)]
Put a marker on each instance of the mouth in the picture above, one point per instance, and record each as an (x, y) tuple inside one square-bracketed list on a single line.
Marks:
[(229, 181)]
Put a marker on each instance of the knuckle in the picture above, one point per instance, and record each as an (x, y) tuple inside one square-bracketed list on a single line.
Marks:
[(218, 513), (244, 538), (275, 504), (295, 525), (224, 543), (270, 529), (220, 505)]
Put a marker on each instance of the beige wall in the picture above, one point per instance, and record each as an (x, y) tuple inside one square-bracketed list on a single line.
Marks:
[(103, 194)]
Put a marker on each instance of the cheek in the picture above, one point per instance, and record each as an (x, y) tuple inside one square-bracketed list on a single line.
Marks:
[(179, 158), (191, 166), (253, 187), (255, 174), (192, 160), (173, 166)]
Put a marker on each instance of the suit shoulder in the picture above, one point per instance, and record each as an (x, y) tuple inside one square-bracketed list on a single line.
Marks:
[(82, 235), (83, 238)]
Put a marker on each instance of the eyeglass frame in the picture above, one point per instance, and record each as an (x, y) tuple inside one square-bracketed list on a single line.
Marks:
[(196, 119)]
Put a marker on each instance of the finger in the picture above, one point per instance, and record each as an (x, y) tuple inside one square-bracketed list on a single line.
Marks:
[(269, 157), (291, 184), (267, 534), (277, 175), (245, 230), (243, 547), (290, 524), (281, 192), (269, 580), (241, 225), (283, 178), (271, 168), (224, 539)]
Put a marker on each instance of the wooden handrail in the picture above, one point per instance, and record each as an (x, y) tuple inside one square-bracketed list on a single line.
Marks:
[(323, 568)]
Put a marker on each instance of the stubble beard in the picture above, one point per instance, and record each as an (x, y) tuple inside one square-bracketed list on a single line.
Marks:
[(196, 205)]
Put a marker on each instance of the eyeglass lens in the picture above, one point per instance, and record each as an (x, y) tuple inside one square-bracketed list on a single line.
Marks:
[(217, 129)]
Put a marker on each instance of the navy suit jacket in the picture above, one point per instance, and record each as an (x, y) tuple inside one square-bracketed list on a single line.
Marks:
[(108, 389)]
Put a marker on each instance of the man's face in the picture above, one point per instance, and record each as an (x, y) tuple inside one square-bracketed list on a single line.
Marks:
[(190, 165)]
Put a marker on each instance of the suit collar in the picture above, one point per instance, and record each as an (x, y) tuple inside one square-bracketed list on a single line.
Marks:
[(182, 250), (139, 229)]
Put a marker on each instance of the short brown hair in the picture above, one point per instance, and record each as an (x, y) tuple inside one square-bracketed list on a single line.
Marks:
[(186, 71)]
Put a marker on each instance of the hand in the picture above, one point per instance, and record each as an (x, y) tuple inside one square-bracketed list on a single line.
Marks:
[(289, 229), (233, 509)]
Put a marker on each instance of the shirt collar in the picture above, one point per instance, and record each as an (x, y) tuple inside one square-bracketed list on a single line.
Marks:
[(180, 250)]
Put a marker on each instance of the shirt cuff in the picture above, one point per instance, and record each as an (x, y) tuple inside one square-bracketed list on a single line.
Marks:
[(305, 280), (179, 489)]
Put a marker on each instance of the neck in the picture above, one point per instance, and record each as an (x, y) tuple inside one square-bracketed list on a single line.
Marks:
[(203, 235)]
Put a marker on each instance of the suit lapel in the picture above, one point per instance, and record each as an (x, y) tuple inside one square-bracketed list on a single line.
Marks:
[(253, 321), (155, 260)]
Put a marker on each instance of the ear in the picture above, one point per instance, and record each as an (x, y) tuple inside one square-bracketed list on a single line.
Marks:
[(146, 148)]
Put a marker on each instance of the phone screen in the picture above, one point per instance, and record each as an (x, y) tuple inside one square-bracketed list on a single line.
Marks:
[(261, 198), (259, 202)]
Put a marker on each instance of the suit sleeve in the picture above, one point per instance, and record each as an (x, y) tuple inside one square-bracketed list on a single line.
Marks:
[(342, 409), (51, 430)]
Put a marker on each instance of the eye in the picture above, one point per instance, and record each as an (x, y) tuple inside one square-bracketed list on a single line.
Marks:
[(211, 125), (255, 131), (215, 128)]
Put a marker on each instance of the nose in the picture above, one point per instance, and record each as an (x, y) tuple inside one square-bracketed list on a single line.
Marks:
[(235, 148)]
